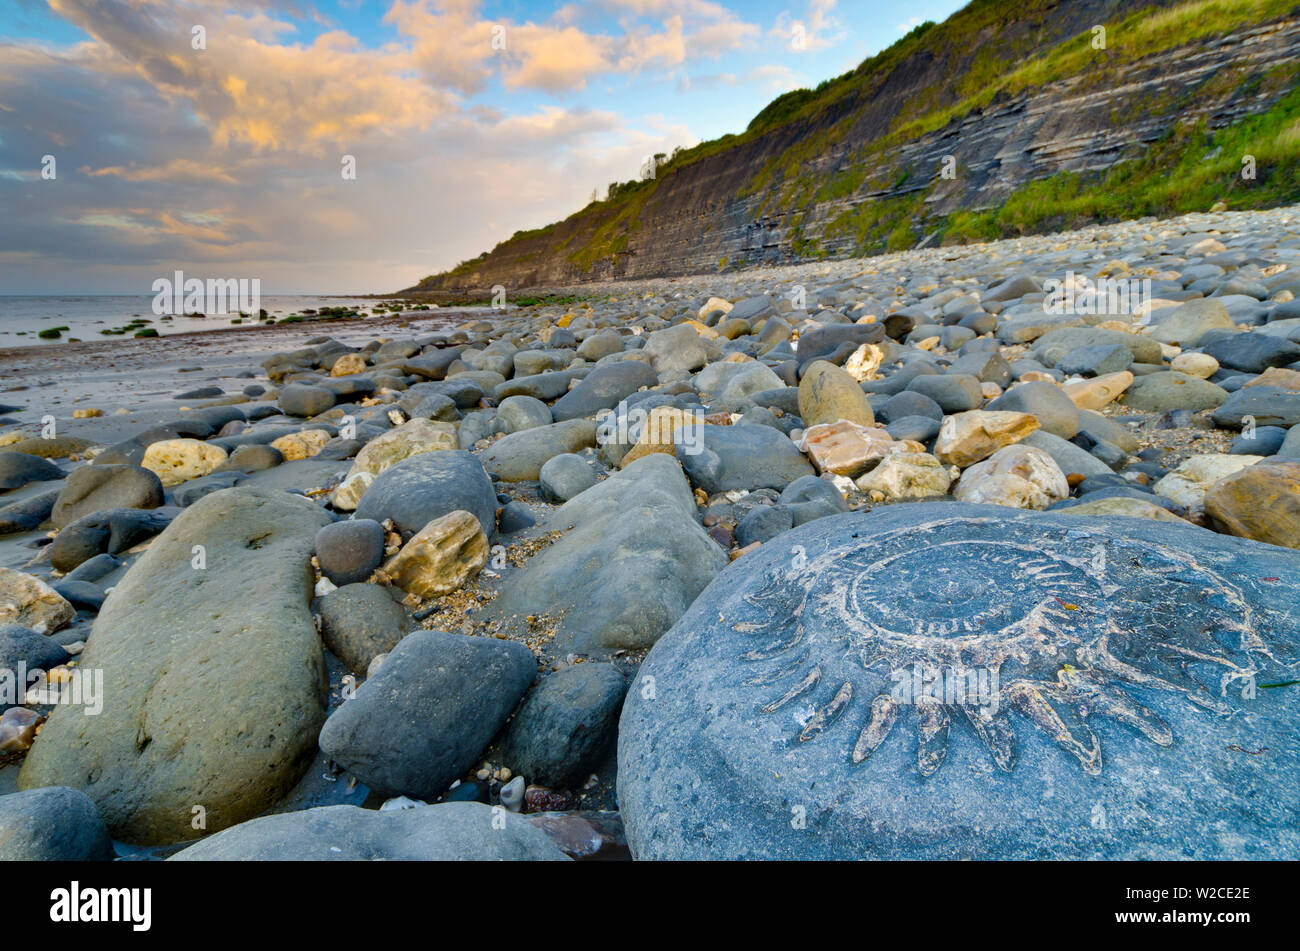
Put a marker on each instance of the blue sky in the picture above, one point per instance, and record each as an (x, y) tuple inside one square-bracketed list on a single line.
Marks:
[(468, 120)]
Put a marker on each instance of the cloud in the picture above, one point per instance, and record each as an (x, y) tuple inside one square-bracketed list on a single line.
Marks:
[(225, 161), (816, 30)]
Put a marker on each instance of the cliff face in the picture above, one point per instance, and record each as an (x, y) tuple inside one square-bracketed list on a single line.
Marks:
[(1004, 119)]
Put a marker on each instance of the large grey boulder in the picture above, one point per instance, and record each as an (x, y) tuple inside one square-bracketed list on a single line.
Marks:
[(427, 486), (451, 832), (1097, 690), (19, 468), (214, 678), (423, 720), (633, 559)]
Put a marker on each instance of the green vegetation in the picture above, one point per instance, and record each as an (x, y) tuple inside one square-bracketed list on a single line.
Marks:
[(807, 165)]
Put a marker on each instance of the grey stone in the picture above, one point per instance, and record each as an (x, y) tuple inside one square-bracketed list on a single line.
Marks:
[(789, 695), (954, 392), (1266, 405), (763, 523), (722, 458), (1187, 323), (215, 674), (19, 468), (95, 488), (520, 456), (1096, 360), (633, 561), (425, 717), (1170, 390), (517, 413), (429, 485), (565, 725), (603, 388), (1055, 412), (361, 621), (301, 399), (55, 824), (449, 832), (349, 551), (563, 477), (1068, 456), (1251, 352)]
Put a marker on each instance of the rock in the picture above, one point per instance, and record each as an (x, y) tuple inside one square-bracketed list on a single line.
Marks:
[(909, 403), (178, 460), (19, 468), (1186, 486), (1162, 392), (26, 515), (1264, 405), (1200, 365), (361, 621), (347, 365), (1071, 459), (1055, 345), (215, 673), (1187, 323), (1281, 377), (598, 345), (301, 445), (251, 459), (517, 413), (907, 475), (112, 532), (82, 595), (520, 456), (739, 457), (633, 561), (603, 388), (301, 399), (456, 831), (792, 696), (809, 497), (563, 477), (1018, 476), (426, 486), (441, 557), (350, 551), (514, 517), (1095, 393), (565, 725), (828, 394), (916, 428), (1261, 502), (54, 447), (21, 647), (1122, 505), (679, 350), (750, 379), (1251, 352), (658, 432), (763, 523), (18, 726), (1055, 411), (966, 438), (1096, 360), (425, 717), (28, 601), (954, 392), (847, 449), (864, 363), (412, 438), (55, 824), (351, 490)]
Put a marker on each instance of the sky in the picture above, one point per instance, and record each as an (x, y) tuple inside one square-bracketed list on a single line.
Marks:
[(355, 146)]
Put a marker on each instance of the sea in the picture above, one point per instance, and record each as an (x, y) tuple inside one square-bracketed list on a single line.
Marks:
[(86, 316)]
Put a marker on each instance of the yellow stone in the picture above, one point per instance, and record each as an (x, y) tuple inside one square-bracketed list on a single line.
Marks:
[(178, 460), (441, 557), (302, 445)]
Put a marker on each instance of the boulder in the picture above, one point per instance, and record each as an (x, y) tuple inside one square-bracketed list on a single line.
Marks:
[(450, 832), (427, 714), (426, 486), (441, 557), (722, 458), (1018, 476), (1261, 502), (358, 622), (520, 456), (794, 706), (175, 461), (966, 438), (55, 824), (95, 488), (29, 602), (828, 393), (214, 669)]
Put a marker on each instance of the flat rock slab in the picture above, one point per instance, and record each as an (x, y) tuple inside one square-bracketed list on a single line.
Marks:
[(1131, 716), (213, 678), (457, 831)]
